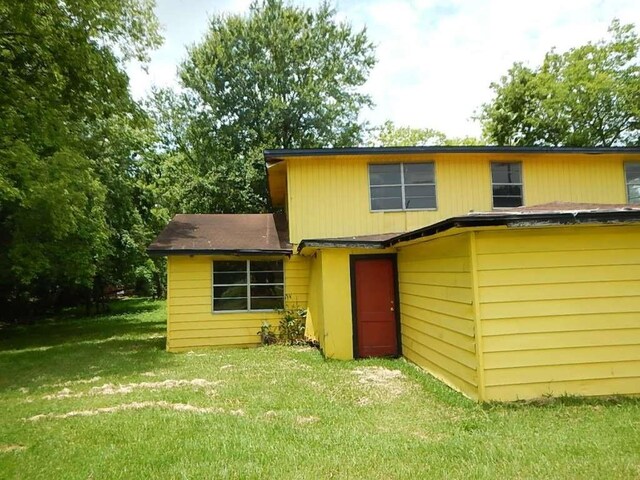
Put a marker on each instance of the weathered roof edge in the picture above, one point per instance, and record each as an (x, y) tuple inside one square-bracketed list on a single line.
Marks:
[(339, 243), (277, 154), (195, 251), (485, 220)]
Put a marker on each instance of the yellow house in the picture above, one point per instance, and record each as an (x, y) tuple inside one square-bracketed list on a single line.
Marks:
[(506, 272)]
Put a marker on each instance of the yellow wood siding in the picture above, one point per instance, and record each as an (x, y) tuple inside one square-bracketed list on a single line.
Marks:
[(329, 317), (560, 311), (437, 310), (190, 320), (315, 313), (329, 196)]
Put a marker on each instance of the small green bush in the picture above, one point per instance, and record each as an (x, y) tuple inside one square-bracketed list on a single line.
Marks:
[(267, 335), (292, 323)]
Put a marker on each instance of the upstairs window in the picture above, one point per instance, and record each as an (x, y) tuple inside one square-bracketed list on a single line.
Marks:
[(402, 186), (248, 285), (506, 182), (632, 179)]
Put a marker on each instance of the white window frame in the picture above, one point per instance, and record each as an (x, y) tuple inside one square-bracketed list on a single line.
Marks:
[(402, 187), (627, 184), (248, 285), (521, 184)]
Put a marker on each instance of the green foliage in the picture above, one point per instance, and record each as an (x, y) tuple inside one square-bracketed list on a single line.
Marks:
[(292, 323), (280, 77), (72, 214), (390, 135), (587, 96), (267, 334)]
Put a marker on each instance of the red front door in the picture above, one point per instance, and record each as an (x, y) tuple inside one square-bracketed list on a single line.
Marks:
[(376, 325)]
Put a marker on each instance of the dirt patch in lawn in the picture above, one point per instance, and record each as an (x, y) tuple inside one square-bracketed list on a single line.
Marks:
[(11, 448), (179, 407), (77, 382), (380, 384), (113, 389), (307, 420)]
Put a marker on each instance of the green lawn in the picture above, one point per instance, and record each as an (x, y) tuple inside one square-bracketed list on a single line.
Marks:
[(99, 398)]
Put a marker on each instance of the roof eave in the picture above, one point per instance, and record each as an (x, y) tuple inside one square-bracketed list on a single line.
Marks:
[(200, 251), (519, 220), (322, 243), (275, 156)]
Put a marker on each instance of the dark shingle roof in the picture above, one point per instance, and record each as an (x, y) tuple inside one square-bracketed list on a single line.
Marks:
[(263, 233)]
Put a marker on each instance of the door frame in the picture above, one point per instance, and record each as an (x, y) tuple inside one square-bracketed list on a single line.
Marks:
[(354, 306)]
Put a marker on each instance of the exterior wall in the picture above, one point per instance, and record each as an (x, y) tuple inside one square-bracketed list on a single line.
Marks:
[(190, 321), (437, 309), (560, 311), (329, 196), (314, 328), (338, 321), (329, 317)]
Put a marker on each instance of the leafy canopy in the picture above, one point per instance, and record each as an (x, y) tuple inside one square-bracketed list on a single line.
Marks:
[(587, 96), (66, 160), (390, 135), (281, 76)]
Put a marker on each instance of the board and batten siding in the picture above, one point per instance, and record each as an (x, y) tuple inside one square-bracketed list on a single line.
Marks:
[(437, 310), (560, 311), (328, 196), (190, 320)]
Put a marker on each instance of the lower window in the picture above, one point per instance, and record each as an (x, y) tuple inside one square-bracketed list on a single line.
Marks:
[(246, 285)]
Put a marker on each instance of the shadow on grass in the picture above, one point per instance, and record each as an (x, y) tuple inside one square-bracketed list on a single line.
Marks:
[(564, 401), (126, 341), (129, 317)]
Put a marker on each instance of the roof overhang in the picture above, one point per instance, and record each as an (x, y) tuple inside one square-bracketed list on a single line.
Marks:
[(274, 156), (521, 220), (484, 220), (191, 252)]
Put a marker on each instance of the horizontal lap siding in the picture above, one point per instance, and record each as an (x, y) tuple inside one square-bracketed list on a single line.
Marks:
[(436, 307), (560, 311), (328, 196), (191, 322)]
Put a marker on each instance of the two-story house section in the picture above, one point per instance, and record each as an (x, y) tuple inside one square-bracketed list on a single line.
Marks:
[(506, 272)]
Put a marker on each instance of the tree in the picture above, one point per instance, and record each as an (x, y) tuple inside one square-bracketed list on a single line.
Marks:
[(390, 135), (587, 96), (64, 105), (280, 77)]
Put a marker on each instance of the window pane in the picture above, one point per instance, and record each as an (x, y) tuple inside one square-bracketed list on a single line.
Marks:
[(230, 266), (272, 303), (632, 172), (500, 202), (221, 304), (386, 192), (384, 174), (633, 193), (386, 203), (507, 190), (418, 173), (234, 291), (506, 173), (261, 265), (222, 278), (420, 202), (267, 277), (266, 291), (420, 191)]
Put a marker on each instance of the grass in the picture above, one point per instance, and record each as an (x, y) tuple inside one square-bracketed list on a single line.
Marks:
[(275, 412)]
